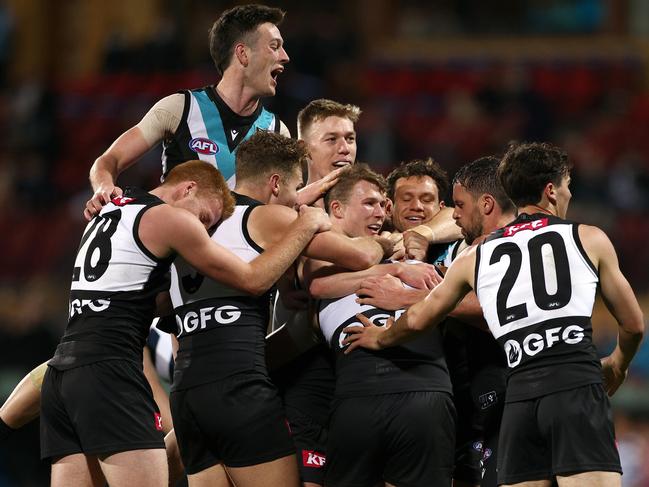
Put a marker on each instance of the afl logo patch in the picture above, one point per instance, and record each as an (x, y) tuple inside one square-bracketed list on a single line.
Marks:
[(203, 146)]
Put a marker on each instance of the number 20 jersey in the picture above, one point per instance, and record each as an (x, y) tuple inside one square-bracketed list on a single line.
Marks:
[(536, 286), (114, 285)]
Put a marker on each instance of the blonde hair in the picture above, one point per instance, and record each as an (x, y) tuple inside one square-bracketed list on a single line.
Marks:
[(322, 108)]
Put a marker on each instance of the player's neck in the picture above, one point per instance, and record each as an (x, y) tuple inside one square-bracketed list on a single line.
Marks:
[(237, 96), (253, 191), (531, 209)]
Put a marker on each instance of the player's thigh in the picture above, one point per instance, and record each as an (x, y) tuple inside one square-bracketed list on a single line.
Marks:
[(175, 463), (276, 473), (77, 470), (591, 479), (144, 468), (214, 476)]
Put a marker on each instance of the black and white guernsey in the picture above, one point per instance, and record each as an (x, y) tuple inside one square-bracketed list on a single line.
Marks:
[(418, 365), (536, 286), (114, 284), (220, 330)]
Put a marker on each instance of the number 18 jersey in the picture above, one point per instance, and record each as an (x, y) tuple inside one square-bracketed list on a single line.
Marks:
[(114, 285), (536, 286)]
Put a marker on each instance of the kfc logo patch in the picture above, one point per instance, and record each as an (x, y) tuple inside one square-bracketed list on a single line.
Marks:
[(157, 420), (313, 459), (535, 225), (121, 200)]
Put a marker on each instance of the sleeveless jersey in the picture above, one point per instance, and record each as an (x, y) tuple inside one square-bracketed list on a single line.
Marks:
[(418, 365), (536, 286), (210, 131), (114, 284), (220, 330)]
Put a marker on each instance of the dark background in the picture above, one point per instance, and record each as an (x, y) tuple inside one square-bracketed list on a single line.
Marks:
[(454, 80)]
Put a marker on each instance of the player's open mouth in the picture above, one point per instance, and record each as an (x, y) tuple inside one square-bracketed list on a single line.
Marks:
[(416, 219), (375, 228), (342, 163), (276, 72)]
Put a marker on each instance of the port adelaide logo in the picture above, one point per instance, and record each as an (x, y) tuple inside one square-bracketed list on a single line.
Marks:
[(201, 145)]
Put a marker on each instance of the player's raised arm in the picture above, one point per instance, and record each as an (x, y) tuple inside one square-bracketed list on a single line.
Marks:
[(621, 302), (162, 119)]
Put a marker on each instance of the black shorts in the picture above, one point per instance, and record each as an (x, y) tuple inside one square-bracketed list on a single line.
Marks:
[(404, 438), (488, 387), (468, 437), (310, 439), (238, 421), (100, 408), (561, 433)]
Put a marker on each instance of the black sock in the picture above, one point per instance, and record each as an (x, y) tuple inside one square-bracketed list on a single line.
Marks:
[(5, 430)]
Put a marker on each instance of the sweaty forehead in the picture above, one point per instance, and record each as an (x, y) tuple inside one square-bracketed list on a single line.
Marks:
[(415, 184)]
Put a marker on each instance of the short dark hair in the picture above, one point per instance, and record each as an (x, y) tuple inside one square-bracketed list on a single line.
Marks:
[(322, 108), (526, 168), (269, 152), (480, 177), (235, 25), (209, 180), (419, 168), (348, 179)]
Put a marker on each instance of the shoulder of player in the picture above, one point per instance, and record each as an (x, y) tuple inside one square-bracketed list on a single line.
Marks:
[(267, 223), (592, 236), (164, 216), (275, 215), (467, 258), (174, 103)]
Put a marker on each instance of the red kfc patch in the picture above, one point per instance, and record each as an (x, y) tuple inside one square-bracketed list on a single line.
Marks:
[(157, 420), (535, 225), (313, 459), (121, 200)]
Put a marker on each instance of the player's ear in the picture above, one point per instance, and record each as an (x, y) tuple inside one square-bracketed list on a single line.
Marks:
[(273, 182), (550, 192), (487, 203), (241, 53), (188, 188), (336, 209)]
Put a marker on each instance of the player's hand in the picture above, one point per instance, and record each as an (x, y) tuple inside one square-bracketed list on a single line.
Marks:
[(382, 292), (317, 189), (316, 218), (416, 245), (613, 375), (102, 197), (419, 276), (398, 251), (388, 242), (366, 336)]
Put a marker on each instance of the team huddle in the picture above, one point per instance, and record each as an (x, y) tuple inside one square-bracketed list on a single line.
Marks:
[(320, 324)]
